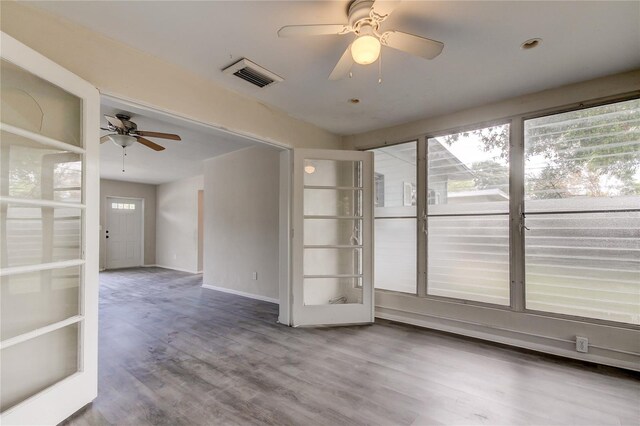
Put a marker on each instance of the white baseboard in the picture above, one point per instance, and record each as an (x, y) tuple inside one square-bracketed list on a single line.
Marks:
[(488, 334), (172, 268), (242, 293)]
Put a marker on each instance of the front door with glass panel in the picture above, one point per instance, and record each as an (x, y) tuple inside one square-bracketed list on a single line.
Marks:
[(123, 233), (332, 237), (48, 238)]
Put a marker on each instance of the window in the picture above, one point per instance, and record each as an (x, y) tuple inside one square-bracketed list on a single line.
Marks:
[(395, 218), (565, 236), (582, 208), (123, 206), (468, 215)]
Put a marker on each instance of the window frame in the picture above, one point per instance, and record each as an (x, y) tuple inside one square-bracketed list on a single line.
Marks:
[(516, 207), (425, 215), (521, 260), (420, 275)]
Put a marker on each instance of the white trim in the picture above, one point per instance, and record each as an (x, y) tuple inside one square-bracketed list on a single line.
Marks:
[(174, 269), (488, 333), (284, 237), (171, 115), (14, 270), (37, 137), (242, 293)]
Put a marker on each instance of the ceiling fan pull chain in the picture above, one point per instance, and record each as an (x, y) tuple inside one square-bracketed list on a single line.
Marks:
[(124, 153), (380, 69)]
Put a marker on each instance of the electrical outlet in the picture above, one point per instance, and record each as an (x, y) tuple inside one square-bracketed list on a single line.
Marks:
[(582, 344), (254, 276)]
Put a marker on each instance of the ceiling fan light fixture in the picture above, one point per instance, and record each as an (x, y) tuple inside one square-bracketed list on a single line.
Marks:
[(122, 140), (365, 49), (309, 168)]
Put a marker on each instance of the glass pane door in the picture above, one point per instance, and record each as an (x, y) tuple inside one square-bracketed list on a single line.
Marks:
[(48, 284), (334, 207)]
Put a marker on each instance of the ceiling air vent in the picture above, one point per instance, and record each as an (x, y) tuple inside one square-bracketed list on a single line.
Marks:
[(252, 73)]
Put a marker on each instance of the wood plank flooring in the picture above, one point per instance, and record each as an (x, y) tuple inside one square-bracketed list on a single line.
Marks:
[(172, 353)]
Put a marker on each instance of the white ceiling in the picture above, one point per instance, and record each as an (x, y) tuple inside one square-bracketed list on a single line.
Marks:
[(482, 61), (179, 160)]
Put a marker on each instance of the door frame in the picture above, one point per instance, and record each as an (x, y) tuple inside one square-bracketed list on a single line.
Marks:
[(106, 225), (286, 170)]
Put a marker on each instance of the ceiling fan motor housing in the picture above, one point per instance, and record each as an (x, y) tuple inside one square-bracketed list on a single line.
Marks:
[(129, 125), (359, 13)]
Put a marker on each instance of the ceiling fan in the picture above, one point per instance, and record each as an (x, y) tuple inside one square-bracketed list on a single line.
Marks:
[(127, 133), (364, 19)]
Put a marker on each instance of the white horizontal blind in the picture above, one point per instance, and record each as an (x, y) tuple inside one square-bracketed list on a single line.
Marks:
[(469, 257), (582, 207)]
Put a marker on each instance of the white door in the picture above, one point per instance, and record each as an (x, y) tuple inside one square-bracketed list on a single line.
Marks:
[(123, 233), (332, 246), (49, 186)]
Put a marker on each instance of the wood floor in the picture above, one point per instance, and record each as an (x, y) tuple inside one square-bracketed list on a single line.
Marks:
[(172, 353)]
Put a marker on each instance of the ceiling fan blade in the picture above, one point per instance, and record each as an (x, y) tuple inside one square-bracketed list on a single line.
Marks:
[(381, 9), (158, 135), (313, 30), (418, 46), (105, 139), (114, 121), (149, 144), (343, 66)]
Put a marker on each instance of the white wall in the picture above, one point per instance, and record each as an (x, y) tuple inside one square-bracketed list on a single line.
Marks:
[(115, 188), (125, 73), (177, 224), (241, 222)]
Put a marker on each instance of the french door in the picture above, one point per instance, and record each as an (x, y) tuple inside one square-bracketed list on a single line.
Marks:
[(49, 199), (332, 245)]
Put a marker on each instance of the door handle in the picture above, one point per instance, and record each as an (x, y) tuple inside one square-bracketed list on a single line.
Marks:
[(423, 223)]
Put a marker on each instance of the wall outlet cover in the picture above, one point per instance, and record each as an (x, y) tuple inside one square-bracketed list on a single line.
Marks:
[(254, 276), (582, 344)]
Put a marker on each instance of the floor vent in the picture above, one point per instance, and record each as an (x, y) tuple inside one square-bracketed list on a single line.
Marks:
[(252, 73)]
